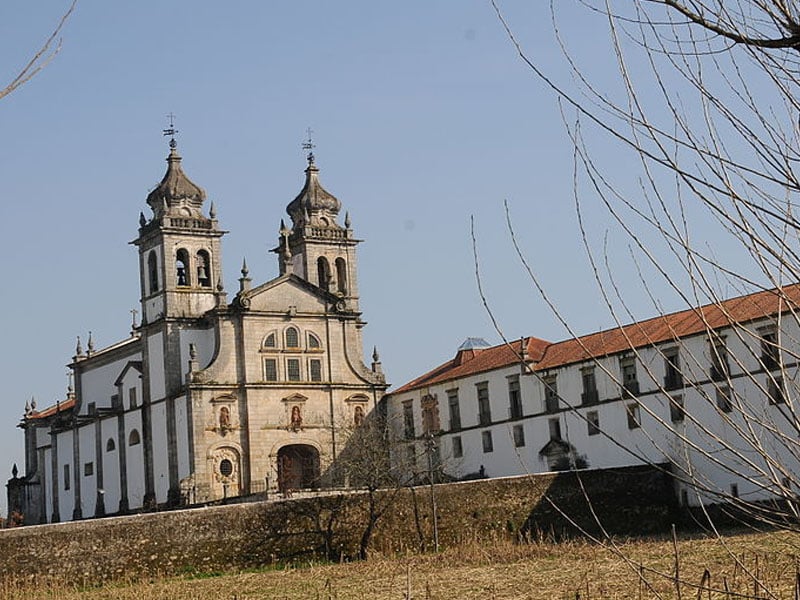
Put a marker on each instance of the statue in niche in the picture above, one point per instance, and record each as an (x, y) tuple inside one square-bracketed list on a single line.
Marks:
[(224, 418), (297, 419), (358, 416)]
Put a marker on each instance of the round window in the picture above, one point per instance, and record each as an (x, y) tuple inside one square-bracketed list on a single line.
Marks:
[(226, 467)]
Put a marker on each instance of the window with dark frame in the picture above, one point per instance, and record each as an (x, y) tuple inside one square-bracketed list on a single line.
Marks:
[(630, 381), (589, 394), (593, 422), (484, 408), (315, 369), (88, 469), (770, 352), (550, 393), (724, 398), (677, 411), (720, 369), (777, 393), (554, 425), (518, 433), (455, 410), (673, 378), (292, 338), (270, 369), (488, 444), (408, 420), (430, 414), (458, 449), (293, 369), (632, 413), (66, 477), (514, 398), (132, 400)]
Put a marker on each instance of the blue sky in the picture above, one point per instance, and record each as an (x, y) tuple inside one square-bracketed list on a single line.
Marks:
[(422, 115)]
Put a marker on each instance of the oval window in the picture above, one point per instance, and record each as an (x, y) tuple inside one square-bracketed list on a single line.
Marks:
[(226, 467)]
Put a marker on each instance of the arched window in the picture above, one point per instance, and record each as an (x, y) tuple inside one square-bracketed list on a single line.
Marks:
[(152, 270), (134, 439), (341, 275), (270, 341), (313, 342), (110, 445), (292, 338), (323, 273), (203, 269), (182, 267)]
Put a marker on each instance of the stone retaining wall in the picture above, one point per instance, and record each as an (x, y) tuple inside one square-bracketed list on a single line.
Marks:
[(634, 500)]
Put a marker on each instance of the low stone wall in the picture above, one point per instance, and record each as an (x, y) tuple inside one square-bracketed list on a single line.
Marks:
[(628, 501)]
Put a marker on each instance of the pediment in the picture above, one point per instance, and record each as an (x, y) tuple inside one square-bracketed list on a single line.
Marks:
[(132, 364), (288, 293), (295, 398)]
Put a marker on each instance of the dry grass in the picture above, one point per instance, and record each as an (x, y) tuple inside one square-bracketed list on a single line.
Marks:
[(763, 566)]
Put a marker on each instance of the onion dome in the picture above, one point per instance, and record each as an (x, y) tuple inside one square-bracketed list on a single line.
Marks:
[(176, 193), (314, 205)]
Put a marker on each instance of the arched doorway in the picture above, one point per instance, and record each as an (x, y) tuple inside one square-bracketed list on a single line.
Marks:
[(298, 467)]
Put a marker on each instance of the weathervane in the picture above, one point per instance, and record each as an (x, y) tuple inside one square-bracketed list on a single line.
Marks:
[(171, 131), (309, 145)]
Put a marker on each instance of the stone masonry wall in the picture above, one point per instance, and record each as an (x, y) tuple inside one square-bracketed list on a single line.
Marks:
[(629, 501)]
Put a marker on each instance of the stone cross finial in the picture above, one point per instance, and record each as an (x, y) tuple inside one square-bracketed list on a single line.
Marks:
[(309, 145), (171, 131)]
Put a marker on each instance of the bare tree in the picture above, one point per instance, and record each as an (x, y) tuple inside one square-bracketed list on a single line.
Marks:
[(706, 103), (365, 463), (46, 53)]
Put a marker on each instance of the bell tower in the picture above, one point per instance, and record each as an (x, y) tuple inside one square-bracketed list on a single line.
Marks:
[(179, 248), (317, 248)]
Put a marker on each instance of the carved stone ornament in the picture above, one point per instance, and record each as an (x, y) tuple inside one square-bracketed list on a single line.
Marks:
[(242, 301), (226, 458)]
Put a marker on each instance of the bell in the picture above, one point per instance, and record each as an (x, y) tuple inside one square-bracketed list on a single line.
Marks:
[(201, 273)]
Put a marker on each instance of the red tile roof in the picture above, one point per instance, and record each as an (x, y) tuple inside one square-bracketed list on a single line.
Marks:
[(664, 328), (51, 410), (479, 360)]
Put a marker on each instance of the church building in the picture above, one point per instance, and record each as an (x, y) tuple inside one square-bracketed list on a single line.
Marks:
[(209, 397)]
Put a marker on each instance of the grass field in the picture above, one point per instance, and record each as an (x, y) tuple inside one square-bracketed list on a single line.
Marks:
[(746, 565)]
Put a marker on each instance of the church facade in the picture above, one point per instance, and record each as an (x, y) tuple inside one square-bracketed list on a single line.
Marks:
[(209, 398)]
